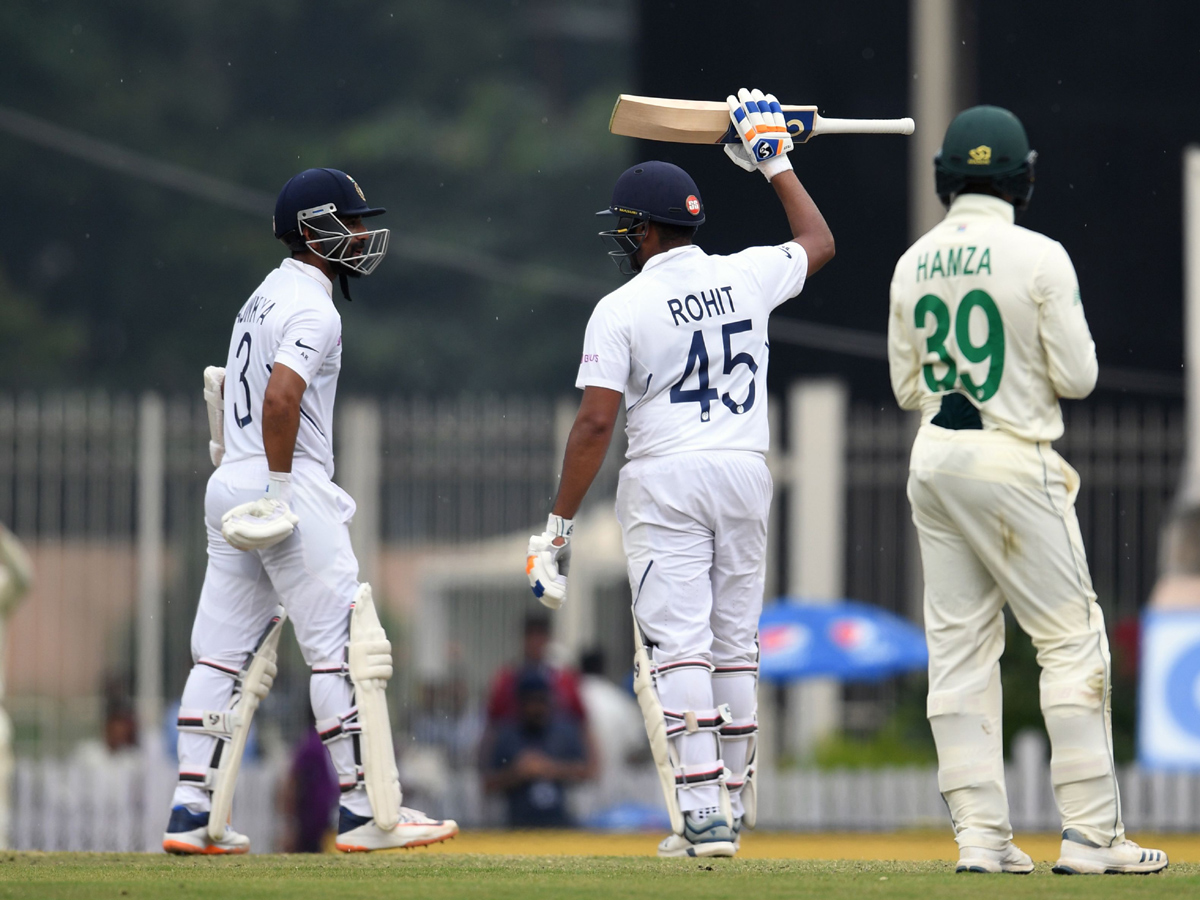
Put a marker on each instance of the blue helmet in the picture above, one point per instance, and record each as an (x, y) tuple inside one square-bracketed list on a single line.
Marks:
[(320, 201), (658, 191), (652, 191), (314, 188)]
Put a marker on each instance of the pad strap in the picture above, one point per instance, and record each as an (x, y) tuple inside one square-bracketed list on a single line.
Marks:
[(667, 667), (201, 778), (207, 721), (700, 774), (692, 721), (331, 667), (739, 669), (224, 668)]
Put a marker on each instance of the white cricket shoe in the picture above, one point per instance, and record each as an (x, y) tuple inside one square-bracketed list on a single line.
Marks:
[(1079, 856), (980, 859), (360, 834), (711, 836), (187, 834)]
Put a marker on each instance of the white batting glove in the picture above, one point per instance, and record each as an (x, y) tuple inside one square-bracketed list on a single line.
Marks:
[(548, 560), (264, 522), (759, 121), (214, 398)]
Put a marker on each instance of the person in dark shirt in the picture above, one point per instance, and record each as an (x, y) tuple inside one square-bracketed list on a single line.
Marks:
[(564, 683), (536, 755)]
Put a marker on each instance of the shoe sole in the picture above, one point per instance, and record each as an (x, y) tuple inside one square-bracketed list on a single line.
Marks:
[(1074, 867), (179, 848), (425, 842), (983, 870), (706, 850)]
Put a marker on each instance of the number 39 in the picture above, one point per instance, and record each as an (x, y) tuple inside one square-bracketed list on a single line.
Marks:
[(992, 347)]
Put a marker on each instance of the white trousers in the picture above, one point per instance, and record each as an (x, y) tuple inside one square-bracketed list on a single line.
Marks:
[(313, 575), (997, 524), (695, 535)]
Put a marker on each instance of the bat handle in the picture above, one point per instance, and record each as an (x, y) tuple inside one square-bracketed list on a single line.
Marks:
[(822, 125)]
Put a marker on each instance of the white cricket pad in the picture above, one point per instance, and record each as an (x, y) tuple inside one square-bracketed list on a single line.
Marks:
[(214, 399), (253, 685), (663, 727), (370, 664)]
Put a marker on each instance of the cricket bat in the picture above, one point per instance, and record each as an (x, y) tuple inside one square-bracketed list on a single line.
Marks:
[(707, 122)]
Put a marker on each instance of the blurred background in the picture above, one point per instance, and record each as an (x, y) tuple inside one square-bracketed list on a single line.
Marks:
[(141, 148)]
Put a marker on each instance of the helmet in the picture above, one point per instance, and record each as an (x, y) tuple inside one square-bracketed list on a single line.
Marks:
[(985, 146), (652, 191), (320, 200)]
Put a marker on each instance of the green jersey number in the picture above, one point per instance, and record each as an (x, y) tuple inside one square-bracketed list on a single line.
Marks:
[(991, 349)]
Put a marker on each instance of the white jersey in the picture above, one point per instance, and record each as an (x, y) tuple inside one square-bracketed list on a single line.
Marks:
[(686, 341), (290, 318), (990, 310)]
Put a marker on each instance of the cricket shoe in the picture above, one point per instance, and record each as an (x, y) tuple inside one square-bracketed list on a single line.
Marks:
[(360, 834), (980, 859), (187, 833), (1083, 857), (710, 836)]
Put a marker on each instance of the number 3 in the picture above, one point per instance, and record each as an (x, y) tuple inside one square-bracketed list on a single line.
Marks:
[(245, 420), (992, 347)]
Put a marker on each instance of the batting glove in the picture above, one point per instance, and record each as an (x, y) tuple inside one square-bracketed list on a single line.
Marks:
[(265, 522), (548, 560), (759, 121)]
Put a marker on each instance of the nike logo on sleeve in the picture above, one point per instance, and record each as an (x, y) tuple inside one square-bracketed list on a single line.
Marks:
[(300, 343)]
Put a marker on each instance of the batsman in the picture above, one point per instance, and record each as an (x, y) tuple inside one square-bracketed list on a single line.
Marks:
[(683, 345), (986, 332), (279, 545)]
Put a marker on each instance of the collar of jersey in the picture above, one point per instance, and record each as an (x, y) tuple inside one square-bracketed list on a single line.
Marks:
[(673, 253), (311, 271), (981, 206)]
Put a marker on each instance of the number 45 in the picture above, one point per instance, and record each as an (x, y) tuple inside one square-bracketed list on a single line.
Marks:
[(698, 357)]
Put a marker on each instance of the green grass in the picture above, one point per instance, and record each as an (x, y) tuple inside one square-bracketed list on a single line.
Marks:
[(416, 876)]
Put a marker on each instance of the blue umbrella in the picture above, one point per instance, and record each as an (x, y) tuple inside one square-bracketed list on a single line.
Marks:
[(849, 641)]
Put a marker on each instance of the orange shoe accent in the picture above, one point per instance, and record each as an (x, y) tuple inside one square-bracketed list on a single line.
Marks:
[(529, 561), (192, 850)]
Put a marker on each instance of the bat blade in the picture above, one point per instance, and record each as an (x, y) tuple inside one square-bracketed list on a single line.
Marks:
[(707, 121)]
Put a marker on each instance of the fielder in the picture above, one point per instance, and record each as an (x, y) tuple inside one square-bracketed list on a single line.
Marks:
[(986, 332), (684, 345), (285, 550)]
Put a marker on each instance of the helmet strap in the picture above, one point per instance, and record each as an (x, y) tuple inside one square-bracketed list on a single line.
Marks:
[(345, 284)]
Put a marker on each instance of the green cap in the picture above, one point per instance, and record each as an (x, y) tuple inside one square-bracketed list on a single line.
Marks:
[(984, 141), (985, 144)]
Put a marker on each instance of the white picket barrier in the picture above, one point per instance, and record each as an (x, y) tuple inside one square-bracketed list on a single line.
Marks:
[(123, 804)]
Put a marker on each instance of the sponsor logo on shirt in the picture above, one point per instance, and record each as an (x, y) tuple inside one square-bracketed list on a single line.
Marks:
[(590, 358)]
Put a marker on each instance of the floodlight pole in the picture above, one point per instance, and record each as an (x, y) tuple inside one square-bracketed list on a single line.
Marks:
[(1190, 494)]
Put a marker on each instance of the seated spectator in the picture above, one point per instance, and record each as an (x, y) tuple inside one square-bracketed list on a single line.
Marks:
[(534, 756), (564, 683)]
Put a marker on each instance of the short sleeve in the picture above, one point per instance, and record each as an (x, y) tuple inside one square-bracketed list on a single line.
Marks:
[(606, 350), (780, 270), (309, 336)]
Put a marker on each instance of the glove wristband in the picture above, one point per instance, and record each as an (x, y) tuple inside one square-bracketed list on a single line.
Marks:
[(558, 527), (772, 167), (279, 486)]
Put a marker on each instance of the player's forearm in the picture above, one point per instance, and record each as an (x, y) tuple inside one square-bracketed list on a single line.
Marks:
[(587, 446), (809, 228), (281, 423)]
